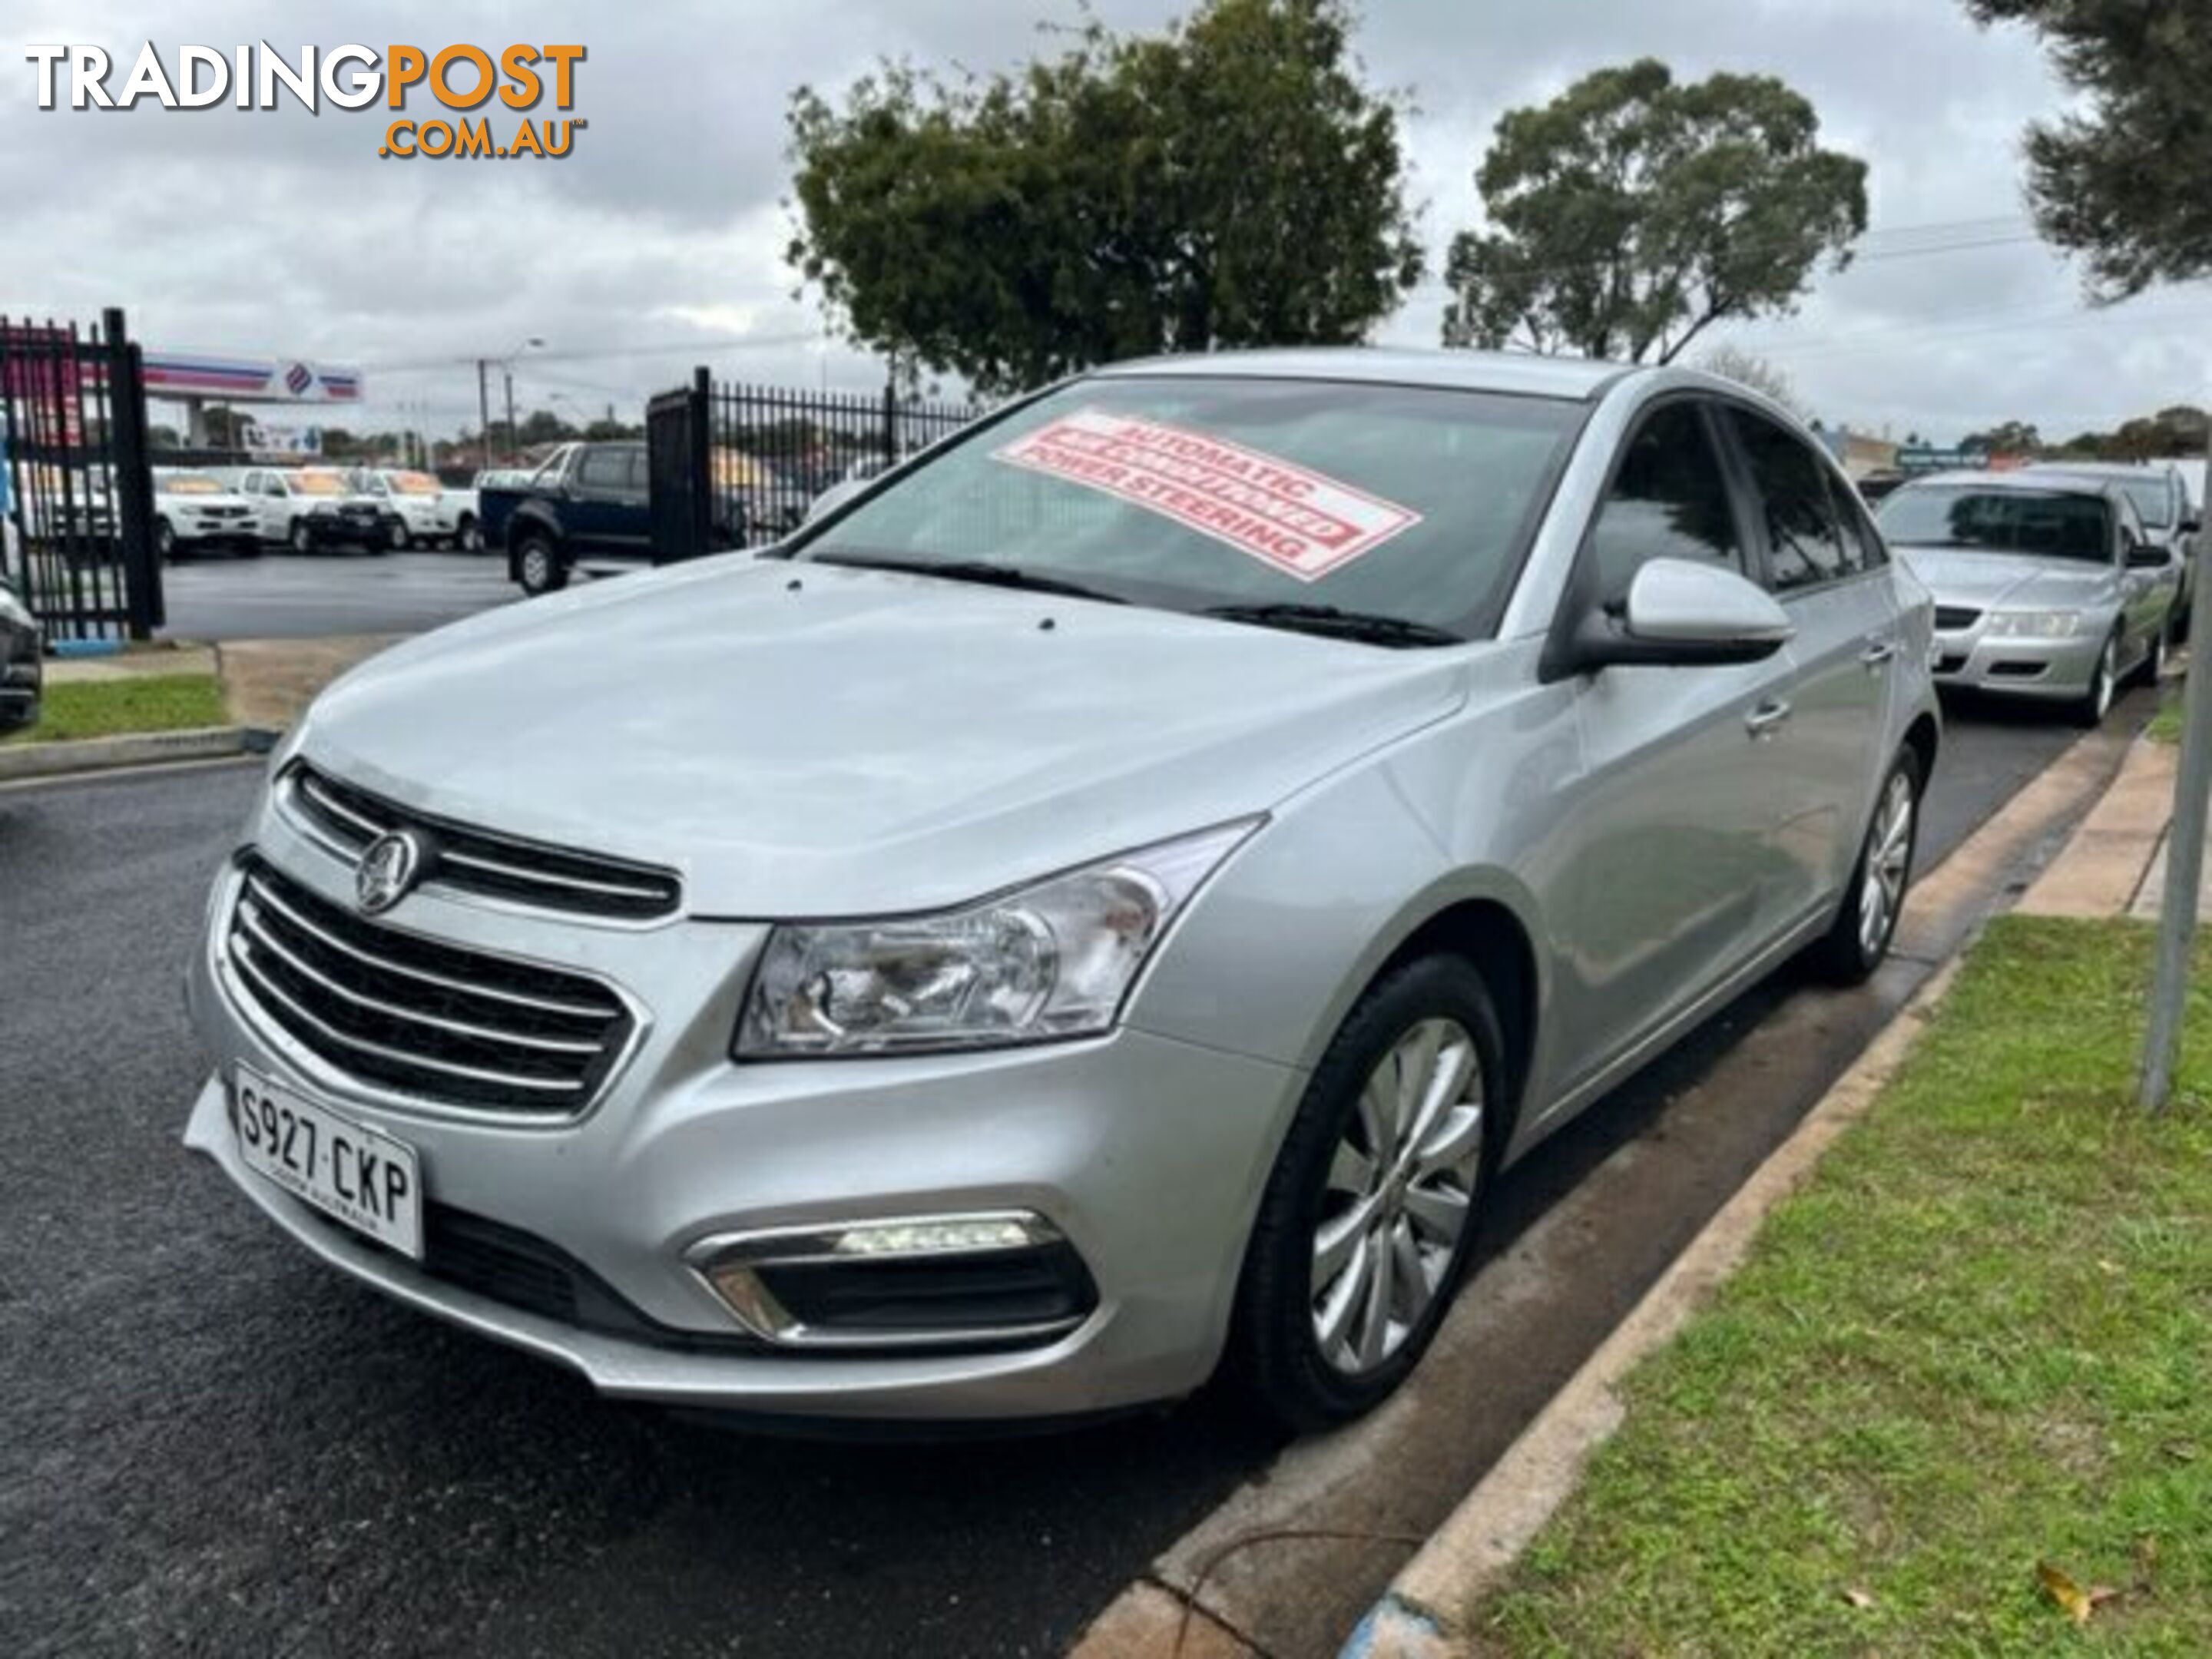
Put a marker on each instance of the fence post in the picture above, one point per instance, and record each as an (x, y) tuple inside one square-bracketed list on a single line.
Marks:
[(129, 444), (890, 420), (2185, 865)]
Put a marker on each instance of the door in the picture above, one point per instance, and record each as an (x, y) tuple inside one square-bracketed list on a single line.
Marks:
[(1830, 575), (598, 499), (2147, 592), (269, 506), (1667, 878)]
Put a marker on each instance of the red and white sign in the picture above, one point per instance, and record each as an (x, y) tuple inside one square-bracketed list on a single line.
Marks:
[(1298, 521)]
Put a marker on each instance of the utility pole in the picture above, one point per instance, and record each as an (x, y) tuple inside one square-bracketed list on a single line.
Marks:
[(508, 375), (2184, 856), (483, 412)]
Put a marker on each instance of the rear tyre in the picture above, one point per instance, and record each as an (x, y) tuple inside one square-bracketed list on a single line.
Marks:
[(1372, 1208), (165, 541), (1860, 937), (2104, 685), (469, 538), (538, 568)]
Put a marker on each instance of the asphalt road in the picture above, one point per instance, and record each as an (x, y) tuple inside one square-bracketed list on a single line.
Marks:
[(295, 596), (211, 1445)]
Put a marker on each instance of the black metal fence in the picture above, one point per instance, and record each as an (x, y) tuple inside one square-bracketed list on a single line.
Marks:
[(737, 465), (77, 487)]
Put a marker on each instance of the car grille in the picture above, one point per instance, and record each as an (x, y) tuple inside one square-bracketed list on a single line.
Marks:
[(433, 1021), (474, 862), (1954, 619)]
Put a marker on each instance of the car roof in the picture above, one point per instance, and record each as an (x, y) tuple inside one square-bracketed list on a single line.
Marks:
[(2112, 469), (1582, 379), (2025, 478)]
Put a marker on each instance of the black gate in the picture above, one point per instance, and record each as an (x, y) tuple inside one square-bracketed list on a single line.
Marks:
[(739, 465), (676, 473), (76, 493)]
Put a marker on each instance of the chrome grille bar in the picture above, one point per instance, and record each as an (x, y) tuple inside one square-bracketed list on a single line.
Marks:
[(262, 893)]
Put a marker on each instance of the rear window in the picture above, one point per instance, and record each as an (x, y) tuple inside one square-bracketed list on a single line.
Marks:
[(1189, 493), (2052, 523)]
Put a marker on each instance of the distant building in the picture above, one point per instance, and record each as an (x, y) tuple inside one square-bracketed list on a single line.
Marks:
[(1858, 452)]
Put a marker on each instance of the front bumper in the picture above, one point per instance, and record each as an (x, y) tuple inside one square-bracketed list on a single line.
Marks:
[(2057, 671), (1147, 1154)]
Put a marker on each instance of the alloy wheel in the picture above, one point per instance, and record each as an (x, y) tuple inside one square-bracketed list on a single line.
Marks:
[(1889, 852), (1399, 1196), (2107, 672)]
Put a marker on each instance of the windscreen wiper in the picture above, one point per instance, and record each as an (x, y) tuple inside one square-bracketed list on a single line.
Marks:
[(1367, 626), (984, 572)]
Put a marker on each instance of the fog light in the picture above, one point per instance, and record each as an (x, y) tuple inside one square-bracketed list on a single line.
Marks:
[(940, 1237), (1001, 1278)]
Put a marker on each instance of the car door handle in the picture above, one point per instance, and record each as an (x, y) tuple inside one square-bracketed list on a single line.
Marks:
[(1767, 718), (1878, 652)]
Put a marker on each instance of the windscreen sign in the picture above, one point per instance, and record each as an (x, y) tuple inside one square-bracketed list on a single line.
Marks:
[(1301, 522), (505, 82)]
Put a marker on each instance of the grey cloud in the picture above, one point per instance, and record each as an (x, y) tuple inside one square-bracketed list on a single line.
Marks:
[(661, 234)]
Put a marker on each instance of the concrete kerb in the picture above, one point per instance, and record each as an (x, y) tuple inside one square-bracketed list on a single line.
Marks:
[(20, 762)]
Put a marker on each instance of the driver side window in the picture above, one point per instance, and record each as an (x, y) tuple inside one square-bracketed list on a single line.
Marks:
[(1669, 501)]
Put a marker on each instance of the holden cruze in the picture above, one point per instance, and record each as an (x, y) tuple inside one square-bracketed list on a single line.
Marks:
[(1105, 900)]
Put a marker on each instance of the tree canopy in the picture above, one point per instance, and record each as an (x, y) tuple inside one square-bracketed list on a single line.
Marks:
[(1631, 212), (1759, 374), (2128, 180), (1230, 181)]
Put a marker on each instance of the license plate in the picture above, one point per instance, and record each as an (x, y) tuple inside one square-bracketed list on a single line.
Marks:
[(357, 1174)]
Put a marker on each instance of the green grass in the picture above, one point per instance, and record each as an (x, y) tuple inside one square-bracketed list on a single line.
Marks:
[(146, 702), (1978, 1339), (2166, 725)]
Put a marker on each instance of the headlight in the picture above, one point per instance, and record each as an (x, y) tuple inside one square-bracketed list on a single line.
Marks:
[(1050, 961), (2036, 624)]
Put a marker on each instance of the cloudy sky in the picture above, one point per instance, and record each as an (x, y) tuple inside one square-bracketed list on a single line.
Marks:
[(658, 243)]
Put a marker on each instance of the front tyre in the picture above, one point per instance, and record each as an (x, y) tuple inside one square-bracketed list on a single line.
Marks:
[(537, 566), (397, 538), (2104, 685), (1371, 1211), (1860, 938), (298, 538)]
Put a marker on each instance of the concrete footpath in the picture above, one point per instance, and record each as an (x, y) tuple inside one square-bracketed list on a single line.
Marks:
[(266, 684)]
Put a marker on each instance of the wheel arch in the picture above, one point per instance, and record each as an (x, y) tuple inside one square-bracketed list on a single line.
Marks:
[(521, 526), (1487, 934)]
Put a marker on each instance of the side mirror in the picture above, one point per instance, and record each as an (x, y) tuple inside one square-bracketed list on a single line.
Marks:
[(2148, 555), (1682, 614), (2191, 524), (834, 497)]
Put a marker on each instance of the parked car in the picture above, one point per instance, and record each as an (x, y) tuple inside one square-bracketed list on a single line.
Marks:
[(22, 670), (586, 505), (2047, 585), (426, 511), (1111, 897), (2169, 518), (196, 511), (1883, 481), (312, 508)]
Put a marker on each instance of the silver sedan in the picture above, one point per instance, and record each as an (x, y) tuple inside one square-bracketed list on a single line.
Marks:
[(2047, 585), (1106, 898)]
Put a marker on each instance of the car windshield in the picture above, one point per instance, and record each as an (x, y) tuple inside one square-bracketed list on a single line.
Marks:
[(1267, 497), (186, 483), (2153, 499), (319, 483), (2050, 523), (412, 484)]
